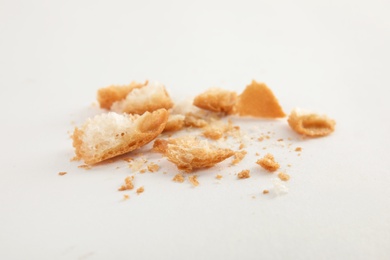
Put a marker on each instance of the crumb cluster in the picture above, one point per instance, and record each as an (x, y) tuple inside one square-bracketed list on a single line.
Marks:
[(268, 162)]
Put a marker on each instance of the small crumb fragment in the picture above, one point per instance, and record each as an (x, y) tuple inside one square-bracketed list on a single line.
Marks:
[(288, 165), (265, 191), (238, 156), (194, 180), (136, 165), (128, 159), (245, 174), (140, 190), (142, 171), (268, 162), (126, 197), (242, 145), (218, 177), (257, 154), (279, 187), (85, 166), (152, 167), (298, 149), (62, 173), (178, 178), (128, 184), (283, 176), (164, 172), (260, 139), (280, 140)]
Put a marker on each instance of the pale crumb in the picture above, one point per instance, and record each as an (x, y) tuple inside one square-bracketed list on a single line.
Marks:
[(194, 120), (194, 180), (242, 145), (298, 149), (290, 139), (280, 140), (283, 176), (136, 164), (238, 156), (264, 148), (140, 190), (268, 162), (279, 187), (218, 176), (299, 154), (128, 184), (126, 197), (142, 171), (244, 174), (164, 172), (267, 137), (288, 165), (117, 167), (265, 191), (253, 197), (260, 139), (178, 178), (152, 167), (257, 154), (85, 166), (62, 173)]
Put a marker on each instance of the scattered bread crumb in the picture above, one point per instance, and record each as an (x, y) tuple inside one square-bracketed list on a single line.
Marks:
[(140, 190), (107, 96), (268, 162), (310, 124), (242, 145), (62, 173), (128, 184), (84, 166), (174, 123), (152, 167), (178, 178), (238, 156), (126, 197), (194, 180), (137, 164), (194, 120), (244, 174), (258, 100), (142, 171), (216, 100), (280, 140), (298, 149), (265, 191), (279, 187), (283, 176), (218, 176), (189, 152)]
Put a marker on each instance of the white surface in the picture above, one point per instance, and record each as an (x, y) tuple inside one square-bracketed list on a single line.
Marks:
[(332, 57)]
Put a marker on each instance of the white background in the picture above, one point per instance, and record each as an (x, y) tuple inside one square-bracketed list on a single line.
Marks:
[(328, 56)]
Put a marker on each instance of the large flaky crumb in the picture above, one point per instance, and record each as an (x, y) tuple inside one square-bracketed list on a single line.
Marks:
[(257, 100), (150, 97), (140, 190), (194, 120), (189, 152), (152, 167), (128, 184), (268, 162), (283, 176), (238, 156), (178, 178), (310, 124), (174, 123), (194, 180), (109, 95), (244, 174), (216, 100), (108, 135)]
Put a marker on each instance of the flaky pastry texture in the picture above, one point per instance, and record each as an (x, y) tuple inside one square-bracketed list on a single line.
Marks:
[(111, 134), (174, 123), (189, 152), (310, 124), (149, 98), (111, 94), (216, 100)]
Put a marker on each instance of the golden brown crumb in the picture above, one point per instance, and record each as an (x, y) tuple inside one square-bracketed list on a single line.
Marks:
[(213, 133), (174, 123), (260, 139), (265, 191), (84, 166), (152, 167), (194, 180), (280, 140), (283, 176), (298, 149), (244, 174), (194, 120), (189, 152), (242, 145), (178, 178), (268, 162), (62, 173), (216, 100), (107, 96), (218, 176), (128, 184), (238, 156), (140, 190), (126, 197), (142, 171), (258, 100), (313, 125)]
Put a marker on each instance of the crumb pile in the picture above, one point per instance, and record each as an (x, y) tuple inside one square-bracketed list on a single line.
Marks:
[(141, 113)]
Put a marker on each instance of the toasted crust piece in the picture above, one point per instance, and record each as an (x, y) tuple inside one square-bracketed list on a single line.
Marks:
[(194, 120), (268, 162), (310, 124), (258, 100), (174, 123), (107, 96), (189, 153), (149, 98), (244, 174), (217, 100), (108, 135)]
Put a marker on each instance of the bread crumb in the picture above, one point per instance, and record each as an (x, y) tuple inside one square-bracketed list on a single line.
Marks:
[(142, 171), (152, 167), (257, 154), (214, 133), (128, 184), (126, 197), (128, 159), (242, 145), (265, 191), (140, 190), (194, 120), (310, 124), (298, 149), (283, 176), (194, 180), (62, 173), (268, 162), (258, 100), (260, 139), (238, 156), (164, 172), (174, 123), (84, 166), (218, 176), (288, 165), (244, 174), (107, 96), (216, 100), (280, 140), (279, 188), (137, 164), (178, 178)]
